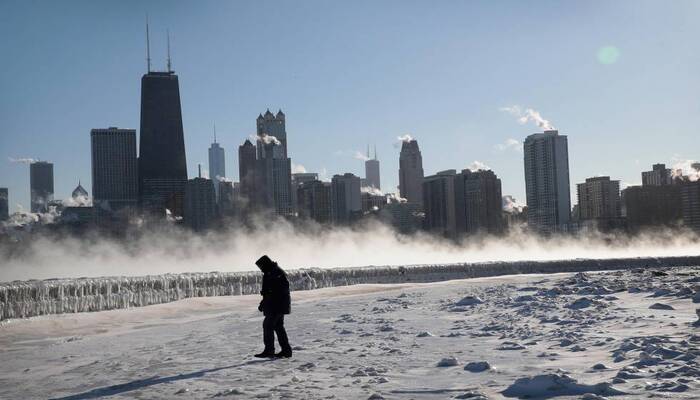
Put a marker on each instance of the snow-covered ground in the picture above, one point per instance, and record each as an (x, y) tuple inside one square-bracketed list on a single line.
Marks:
[(621, 334)]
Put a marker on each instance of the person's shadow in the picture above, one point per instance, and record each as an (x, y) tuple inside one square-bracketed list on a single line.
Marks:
[(143, 383)]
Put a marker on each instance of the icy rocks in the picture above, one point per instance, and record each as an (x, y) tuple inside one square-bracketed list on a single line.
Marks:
[(472, 395), (551, 385), (469, 301), (229, 392), (580, 303), (477, 366), (425, 334), (510, 346), (447, 362), (599, 366), (660, 306), (376, 396), (696, 297)]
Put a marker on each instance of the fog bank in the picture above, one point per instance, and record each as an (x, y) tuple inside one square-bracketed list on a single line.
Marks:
[(170, 250)]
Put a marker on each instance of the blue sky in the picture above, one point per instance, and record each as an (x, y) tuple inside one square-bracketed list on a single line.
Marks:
[(351, 73)]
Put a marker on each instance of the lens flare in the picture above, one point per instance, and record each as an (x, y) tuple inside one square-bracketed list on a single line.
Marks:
[(608, 55)]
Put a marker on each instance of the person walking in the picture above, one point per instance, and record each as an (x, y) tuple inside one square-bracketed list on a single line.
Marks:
[(276, 302)]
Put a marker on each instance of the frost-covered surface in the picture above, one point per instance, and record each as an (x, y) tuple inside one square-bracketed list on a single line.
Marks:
[(524, 340), (56, 296)]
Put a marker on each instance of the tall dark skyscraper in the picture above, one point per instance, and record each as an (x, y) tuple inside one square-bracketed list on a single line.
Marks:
[(114, 170), (546, 157), (411, 172), (439, 203), (246, 172), (4, 209), (162, 163), (41, 185)]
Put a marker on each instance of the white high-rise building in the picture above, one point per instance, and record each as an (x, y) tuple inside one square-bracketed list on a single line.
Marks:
[(547, 181)]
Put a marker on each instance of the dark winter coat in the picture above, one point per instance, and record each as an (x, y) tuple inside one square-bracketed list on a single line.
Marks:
[(275, 289)]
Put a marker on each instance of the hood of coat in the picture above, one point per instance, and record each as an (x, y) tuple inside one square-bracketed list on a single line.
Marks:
[(266, 265)]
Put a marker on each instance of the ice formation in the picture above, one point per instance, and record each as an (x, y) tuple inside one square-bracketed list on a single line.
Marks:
[(20, 299)]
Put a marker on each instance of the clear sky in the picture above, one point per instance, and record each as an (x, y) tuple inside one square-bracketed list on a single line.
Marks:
[(620, 78)]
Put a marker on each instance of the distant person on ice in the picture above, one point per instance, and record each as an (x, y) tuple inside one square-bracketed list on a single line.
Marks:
[(275, 303)]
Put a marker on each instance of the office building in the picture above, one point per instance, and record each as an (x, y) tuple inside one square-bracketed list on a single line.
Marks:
[(4, 204), (439, 203), (162, 163), (372, 178), (114, 173), (274, 126), (314, 201), (658, 176), (411, 172), (200, 203), (41, 185), (246, 173), (346, 200)]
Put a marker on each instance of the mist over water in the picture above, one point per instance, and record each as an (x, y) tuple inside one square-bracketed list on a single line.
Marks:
[(170, 250)]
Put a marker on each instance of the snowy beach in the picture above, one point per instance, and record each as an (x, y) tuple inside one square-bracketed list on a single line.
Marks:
[(622, 334)]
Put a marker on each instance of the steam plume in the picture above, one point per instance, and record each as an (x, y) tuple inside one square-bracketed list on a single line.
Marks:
[(478, 165), (528, 115), (21, 160)]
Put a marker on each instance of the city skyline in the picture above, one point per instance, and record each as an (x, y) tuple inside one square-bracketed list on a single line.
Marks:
[(478, 132)]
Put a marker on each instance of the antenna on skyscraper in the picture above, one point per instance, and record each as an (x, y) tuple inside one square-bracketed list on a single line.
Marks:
[(167, 32), (368, 151), (214, 132), (375, 151), (199, 167), (148, 47)]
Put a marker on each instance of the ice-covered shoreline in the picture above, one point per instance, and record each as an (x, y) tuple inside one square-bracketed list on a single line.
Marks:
[(22, 299)]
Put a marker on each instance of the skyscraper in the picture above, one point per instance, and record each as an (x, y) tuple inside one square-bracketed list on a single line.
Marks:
[(217, 164), (372, 170), (162, 162), (200, 203), (273, 125), (274, 177), (439, 203), (114, 171), (546, 158), (246, 173), (478, 202), (346, 200), (217, 160), (411, 172), (4, 200), (41, 185), (273, 169)]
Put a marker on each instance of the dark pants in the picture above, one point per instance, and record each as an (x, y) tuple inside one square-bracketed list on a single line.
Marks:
[(274, 324)]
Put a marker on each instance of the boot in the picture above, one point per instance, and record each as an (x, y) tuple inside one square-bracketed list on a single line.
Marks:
[(286, 353), (265, 354)]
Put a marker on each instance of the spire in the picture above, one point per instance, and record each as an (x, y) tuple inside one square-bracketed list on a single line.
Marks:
[(375, 152), (368, 151), (199, 167), (148, 47), (167, 32), (214, 132)]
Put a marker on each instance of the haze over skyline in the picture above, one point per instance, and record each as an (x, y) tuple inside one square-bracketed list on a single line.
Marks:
[(620, 80)]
